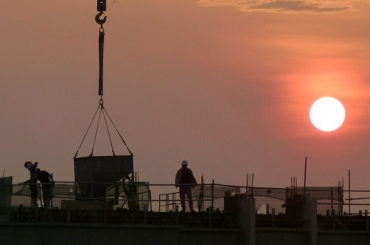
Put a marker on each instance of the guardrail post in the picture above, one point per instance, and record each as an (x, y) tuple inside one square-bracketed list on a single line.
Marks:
[(173, 202), (105, 212), (75, 190), (145, 212), (210, 217), (36, 213), (212, 188), (68, 216), (39, 192), (167, 202), (150, 199), (20, 212)]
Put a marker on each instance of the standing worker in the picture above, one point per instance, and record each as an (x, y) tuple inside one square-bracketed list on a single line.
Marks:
[(32, 182), (47, 182), (186, 181)]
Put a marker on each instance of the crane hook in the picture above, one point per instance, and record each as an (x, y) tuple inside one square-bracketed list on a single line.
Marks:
[(100, 21)]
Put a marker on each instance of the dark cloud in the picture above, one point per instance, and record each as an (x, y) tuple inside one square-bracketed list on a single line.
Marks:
[(299, 6), (282, 6)]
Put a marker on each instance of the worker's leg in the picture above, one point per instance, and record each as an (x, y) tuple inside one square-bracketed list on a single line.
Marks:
[(46, 194), (46, 203), (33, 202), (33, 189), (182, 198), (190, 198)]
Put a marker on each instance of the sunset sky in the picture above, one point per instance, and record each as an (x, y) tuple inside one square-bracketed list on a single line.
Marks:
[(224, 84)]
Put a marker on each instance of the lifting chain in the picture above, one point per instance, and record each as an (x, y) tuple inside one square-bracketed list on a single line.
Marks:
[(101, 56), (101, 7)]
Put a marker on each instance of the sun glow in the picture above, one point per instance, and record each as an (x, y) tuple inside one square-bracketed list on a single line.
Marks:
[(327, 114)]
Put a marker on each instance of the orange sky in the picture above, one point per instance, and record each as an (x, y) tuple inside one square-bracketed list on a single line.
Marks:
[(224, 84)]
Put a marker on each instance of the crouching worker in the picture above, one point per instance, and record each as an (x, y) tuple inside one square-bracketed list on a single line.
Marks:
[(47, 182), (32, 181)]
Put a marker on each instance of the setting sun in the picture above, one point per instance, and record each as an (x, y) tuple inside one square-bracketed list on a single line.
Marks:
[(327, 114)]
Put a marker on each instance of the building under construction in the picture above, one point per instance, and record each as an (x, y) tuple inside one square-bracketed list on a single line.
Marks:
[(106, 204)]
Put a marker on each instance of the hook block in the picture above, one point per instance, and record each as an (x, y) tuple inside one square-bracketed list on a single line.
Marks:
[(102, 5)]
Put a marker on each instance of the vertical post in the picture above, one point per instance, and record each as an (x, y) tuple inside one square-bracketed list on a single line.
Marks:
[(201, 201), (167, 200), (173, 202), (51, 214), (296, 185), (286, 193), (291, 186), (331, 201), (310, 219), (212, 188), (137, 186), (68, 216), (305, 173), (92, 188), (4, 191), (52, 192), (247, 220), (210, 217), (349, 192), (150, 200), (19, 211), (39, 191), (246, 189), (75, 190), (36, 209), (177, 215), (273, 217), (145, 212), (105, 212), (252, 184)]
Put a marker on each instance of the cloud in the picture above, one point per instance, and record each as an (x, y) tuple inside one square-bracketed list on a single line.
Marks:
[(282, 6)]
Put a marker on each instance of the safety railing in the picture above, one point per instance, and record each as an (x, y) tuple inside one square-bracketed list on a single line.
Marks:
[(336, 207), (332, 200)]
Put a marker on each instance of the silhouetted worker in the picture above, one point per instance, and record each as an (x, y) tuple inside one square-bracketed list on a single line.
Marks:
[(47, 182), (186, 181), (32, 182)]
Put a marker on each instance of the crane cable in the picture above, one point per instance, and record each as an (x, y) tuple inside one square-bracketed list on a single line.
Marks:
[(101, 7), (101, 56)]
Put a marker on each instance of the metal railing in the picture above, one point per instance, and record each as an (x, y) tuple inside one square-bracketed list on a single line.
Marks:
[(275, 207), (330, 200)]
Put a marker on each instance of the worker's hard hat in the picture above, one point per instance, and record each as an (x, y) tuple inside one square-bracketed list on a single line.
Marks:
[(184, 163), (27, 164)]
